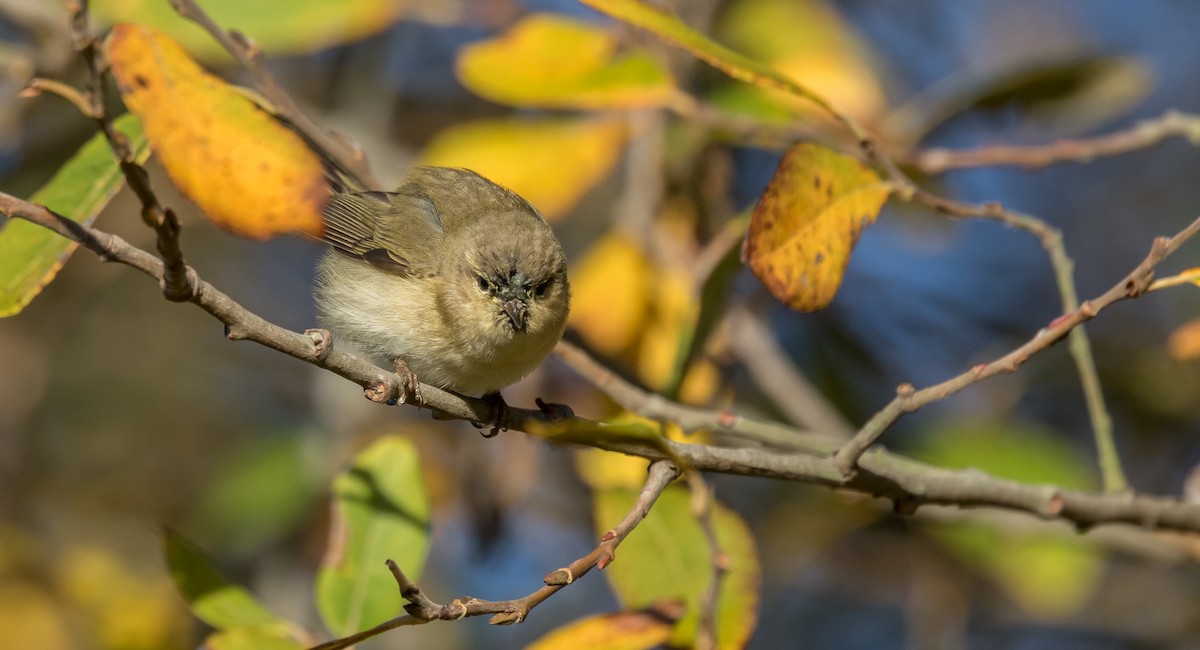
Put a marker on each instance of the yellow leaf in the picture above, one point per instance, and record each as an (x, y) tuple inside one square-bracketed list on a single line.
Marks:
[(674, 31), (675, 307), (603, 470), (807, 222), (610, 289), (244, 170), (1184, 342), (30, 618), (552, 163), (619, 631), (551, 61), (807, 41), (125, 609), (1050, 577)]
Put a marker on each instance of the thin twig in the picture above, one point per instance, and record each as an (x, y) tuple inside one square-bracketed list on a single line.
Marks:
[(781, 380), (176, 283), (350, 160), (1079, 346), (908, 399), (1190, 276), (689, 418), (1143, 135), (703, 507), (421, 609), (39, 85)]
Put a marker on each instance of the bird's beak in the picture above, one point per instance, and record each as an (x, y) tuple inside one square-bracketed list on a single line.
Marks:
[(516, 310)]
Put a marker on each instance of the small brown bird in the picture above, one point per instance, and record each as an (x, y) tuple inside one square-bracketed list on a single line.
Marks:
[(451, 277)]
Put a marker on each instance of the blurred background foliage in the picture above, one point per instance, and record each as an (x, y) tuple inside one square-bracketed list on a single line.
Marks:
[(120, 412)]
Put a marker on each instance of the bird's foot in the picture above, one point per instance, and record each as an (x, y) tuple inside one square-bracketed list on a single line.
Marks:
[(409, 387), (500, 409), (553, 410)]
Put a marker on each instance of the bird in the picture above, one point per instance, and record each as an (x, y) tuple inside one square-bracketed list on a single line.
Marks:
[(450, 279)]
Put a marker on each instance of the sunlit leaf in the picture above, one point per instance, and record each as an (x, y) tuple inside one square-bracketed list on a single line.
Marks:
[(610, 293), (1184, 343), (251, 639), (619, 631), (807, 41), (30, 255), (380, 512), (246, 171), (675, 308), (211, 598), (673, 30), (714, 291), (551, 61), (278, 26), (551, 163), (124, 606), (31, 618), (807, 222), (668, 558)]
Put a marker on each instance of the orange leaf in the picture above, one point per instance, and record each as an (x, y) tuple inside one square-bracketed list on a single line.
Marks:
[(1184, 342), (244, 170), (807, 222)]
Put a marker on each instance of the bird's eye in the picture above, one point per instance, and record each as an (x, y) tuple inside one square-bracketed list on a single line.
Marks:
[(541, 288), (482, 282)]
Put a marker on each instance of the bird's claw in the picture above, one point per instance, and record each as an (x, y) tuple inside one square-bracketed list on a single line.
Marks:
[(500, 409), (409, 387)]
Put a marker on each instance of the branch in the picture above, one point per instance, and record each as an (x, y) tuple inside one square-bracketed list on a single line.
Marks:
[(1143, 135), (909, 399), (1080, 347), (905, 482), (350, 160), (175, 282), (420, 609)]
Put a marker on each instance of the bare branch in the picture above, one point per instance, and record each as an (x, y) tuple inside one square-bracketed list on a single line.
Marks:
[(908, 399), (1143, 135), (175, 282), (420, 609), (350, 160), (905, 482)]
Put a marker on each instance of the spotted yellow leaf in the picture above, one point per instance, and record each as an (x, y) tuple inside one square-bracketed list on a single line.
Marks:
[(807, 222)]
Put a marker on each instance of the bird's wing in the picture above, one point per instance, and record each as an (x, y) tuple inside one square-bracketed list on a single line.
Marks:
[(397, 232)]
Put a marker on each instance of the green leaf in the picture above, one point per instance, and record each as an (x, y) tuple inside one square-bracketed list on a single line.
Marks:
[(251, 639), (30, 255), (277, 26), (714, 292), (1021, 453), (274, 470), (551, 61), (673, 30), (667, 558), (211, 598), (1071, 95), (1050, 575), (380, 512)]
